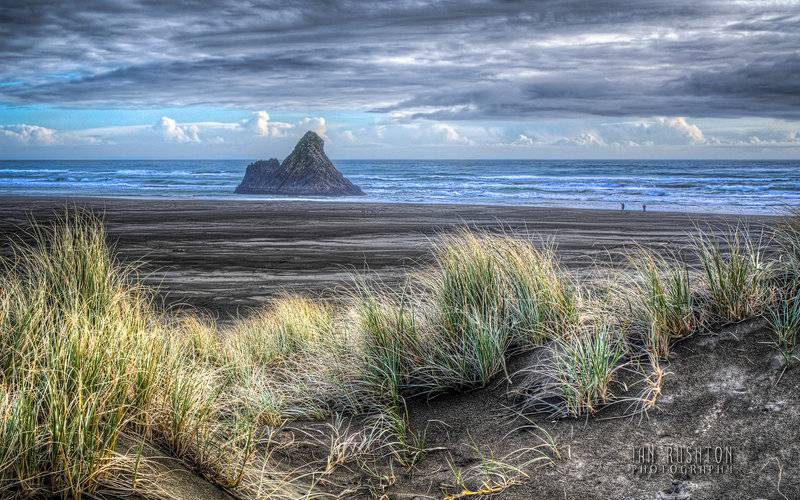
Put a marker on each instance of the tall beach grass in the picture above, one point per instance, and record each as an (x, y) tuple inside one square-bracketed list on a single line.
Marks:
[(491, 296), (736, 274), (87, 362), (662, 302)]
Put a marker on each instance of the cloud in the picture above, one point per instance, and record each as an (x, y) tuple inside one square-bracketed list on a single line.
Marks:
[(260, 123), (447, 60), (524, 140), (773, 138), (449, 134), (416, 134), (399, 135), (178, 133), (649, 132), (643, 132), (29, 134), (317, 124), (586, 138), (173, 135), (679, 123)]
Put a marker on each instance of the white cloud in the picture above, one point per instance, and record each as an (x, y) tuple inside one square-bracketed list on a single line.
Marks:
[(260, 123), (280, 129), (29, 134), (680, 124), (648, 132), (415, 134), (178, 133), (524, 140), (317, 124), (585, 138), (451, 134), (259, 135), (756, 137)]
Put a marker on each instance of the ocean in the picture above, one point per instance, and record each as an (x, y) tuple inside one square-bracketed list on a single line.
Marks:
[(745, 187)]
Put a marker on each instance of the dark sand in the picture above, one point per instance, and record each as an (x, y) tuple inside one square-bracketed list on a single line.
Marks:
[(722, 391), (226, 256)]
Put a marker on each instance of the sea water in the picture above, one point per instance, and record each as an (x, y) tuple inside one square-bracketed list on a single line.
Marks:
[(676, 185)]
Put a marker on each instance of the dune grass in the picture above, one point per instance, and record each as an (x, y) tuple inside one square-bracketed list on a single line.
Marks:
[(492, 296), (390, 342), (574, 376), (453, 327), (784, 321), (736, 273), (586, 366), (662, 301), (787, 235), (288, 327), (492, 475), (87, 362), (501, 282), (74, 371)]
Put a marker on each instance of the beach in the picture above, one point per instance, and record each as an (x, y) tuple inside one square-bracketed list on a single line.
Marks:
[(226, 257), (724, 387)]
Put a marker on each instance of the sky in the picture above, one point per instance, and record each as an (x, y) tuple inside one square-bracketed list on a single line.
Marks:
[(400, 79)]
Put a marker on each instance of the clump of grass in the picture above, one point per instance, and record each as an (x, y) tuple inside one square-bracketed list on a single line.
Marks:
[(492, 475), (787, 234), (492, 296), (287, 327), (346, 445), (576, 374), (784, 317), (585, 369), (784, 321), (736, 274), (405, 445), (544, 302), (662, 302), (468, 293), (85, 361), (72, 336), (391, 342)]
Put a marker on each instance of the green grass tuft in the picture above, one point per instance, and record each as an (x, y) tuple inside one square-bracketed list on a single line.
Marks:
[(784, 321), (662, 302), (736, 274), (493, 296)]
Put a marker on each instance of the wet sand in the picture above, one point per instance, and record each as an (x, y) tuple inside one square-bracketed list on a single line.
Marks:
[(227, 256)]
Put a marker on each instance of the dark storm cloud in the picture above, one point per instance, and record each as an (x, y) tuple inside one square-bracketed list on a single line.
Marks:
[(439, 59)]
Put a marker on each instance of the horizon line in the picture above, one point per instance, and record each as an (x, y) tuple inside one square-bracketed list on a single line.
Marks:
[(419, 159)]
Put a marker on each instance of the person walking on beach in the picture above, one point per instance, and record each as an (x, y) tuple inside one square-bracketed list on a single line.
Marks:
[(622, 205), (644, 207)]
